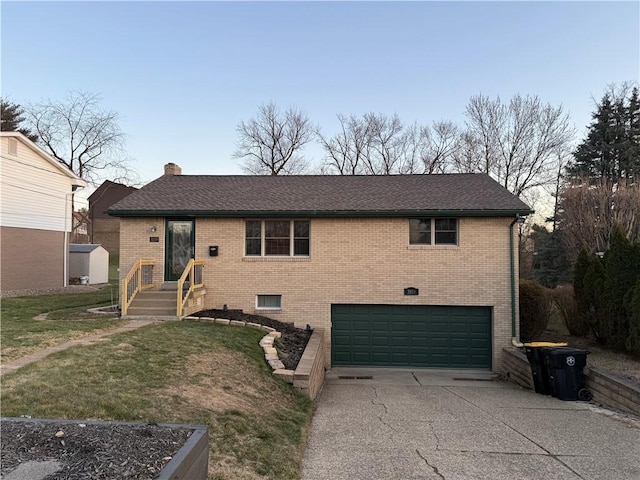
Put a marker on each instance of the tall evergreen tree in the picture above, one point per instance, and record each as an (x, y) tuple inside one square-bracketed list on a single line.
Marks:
[(621, 267), (551, 263), (610, 149), (11, 118), (631, 153)]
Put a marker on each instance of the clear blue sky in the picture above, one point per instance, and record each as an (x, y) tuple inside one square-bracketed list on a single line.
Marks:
[(182, 75)]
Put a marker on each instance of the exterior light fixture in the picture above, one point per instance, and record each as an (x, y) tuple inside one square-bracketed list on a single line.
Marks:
[(154, 229)]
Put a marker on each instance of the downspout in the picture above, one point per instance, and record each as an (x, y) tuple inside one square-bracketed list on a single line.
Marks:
[(67, 227), (65, 247), (514, 339)]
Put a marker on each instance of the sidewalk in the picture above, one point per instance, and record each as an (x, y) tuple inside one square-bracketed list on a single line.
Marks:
[(36, 356)]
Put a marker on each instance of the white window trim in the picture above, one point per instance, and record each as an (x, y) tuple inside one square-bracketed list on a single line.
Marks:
[(258, 307), (433, 243), (263, 242)]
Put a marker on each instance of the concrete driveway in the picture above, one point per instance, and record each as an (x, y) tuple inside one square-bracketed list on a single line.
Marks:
[(428, 424)]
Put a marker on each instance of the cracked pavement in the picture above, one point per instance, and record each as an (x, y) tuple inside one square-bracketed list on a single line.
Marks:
[(455, 425)]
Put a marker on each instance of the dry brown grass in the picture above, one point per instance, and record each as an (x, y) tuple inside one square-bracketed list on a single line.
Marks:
[(177, 372), (219, 381), (33, 342)]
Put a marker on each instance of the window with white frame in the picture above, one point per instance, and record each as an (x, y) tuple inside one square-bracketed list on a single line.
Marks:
[(269, 302), (283, 238), (433, 231)]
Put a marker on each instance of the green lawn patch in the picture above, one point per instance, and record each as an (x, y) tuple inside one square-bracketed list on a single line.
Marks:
[(21, 334), (177, 372)]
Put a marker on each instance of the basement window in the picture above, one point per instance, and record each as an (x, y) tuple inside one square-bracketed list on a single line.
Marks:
[(269, 302)]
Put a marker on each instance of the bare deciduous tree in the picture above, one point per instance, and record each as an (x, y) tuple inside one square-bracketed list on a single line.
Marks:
[(589, 211), (467, 156), (377, 144), (516, 143), (346, 150), (385, 144), (440, 144), (271, 143), (80, 134)]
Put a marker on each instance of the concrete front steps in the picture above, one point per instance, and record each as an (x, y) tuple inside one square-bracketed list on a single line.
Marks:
[(154, 303)]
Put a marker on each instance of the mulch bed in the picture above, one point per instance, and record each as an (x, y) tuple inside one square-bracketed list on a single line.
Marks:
[(290, 347), (93, 451)]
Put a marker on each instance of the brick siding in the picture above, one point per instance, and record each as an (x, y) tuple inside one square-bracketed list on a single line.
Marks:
[(365, 260)]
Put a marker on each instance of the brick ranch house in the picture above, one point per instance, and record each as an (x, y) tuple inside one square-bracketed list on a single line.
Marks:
[(407, 270)]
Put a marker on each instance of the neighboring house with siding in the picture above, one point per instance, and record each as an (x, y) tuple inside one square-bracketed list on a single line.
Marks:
[(35, 215), (104, 229), (407, 270)]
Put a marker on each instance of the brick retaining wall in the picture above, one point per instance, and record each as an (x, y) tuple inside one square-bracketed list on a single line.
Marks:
[(608, 391)]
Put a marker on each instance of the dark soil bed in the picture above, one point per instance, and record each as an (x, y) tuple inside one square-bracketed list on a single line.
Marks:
[(290, 347), (96, 451)]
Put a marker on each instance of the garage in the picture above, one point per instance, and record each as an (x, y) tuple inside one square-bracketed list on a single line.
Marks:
[(411, 335)]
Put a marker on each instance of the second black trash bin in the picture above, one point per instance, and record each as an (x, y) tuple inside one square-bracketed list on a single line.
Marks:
[(538, 367), (565, 367)]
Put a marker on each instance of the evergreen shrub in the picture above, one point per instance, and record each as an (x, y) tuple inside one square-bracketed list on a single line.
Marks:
[(535, 310)]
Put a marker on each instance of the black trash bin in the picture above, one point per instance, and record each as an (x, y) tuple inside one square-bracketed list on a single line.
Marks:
[(565, 367), (538, 366)]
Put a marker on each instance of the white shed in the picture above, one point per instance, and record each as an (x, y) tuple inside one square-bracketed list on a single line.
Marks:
[(89, 260)]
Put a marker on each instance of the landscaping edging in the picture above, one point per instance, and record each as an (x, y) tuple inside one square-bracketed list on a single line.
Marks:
[(607, 390), (101, 310), (308, 377)]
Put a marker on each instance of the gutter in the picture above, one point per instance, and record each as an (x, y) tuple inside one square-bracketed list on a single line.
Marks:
[(514, 339)]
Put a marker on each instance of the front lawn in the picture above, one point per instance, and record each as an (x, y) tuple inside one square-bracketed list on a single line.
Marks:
[(177, 372), (21, 334)]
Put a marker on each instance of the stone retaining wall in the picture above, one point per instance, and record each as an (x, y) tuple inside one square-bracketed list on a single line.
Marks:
[(309, 375), (516, 367), (607, 390), (613, 392)]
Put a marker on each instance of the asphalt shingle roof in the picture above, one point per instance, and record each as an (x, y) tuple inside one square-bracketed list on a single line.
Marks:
[(321, 195)]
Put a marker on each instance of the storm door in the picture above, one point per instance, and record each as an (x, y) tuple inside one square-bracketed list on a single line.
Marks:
[(180, 248)]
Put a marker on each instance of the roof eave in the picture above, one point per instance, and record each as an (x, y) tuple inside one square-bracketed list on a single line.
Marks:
[(318, 213)]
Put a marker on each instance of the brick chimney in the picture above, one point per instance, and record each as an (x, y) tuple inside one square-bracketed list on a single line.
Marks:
[(172, 169)]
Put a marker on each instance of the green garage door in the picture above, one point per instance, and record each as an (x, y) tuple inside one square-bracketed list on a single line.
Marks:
[(411, 335)]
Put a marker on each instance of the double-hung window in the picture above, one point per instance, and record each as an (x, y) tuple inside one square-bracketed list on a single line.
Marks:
[(280, 238), (433, 231)]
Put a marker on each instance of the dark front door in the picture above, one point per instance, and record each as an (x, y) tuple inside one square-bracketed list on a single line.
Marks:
[(180, 248)]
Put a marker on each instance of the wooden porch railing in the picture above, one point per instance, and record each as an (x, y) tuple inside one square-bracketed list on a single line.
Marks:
[(139, 278), (193, 274)]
